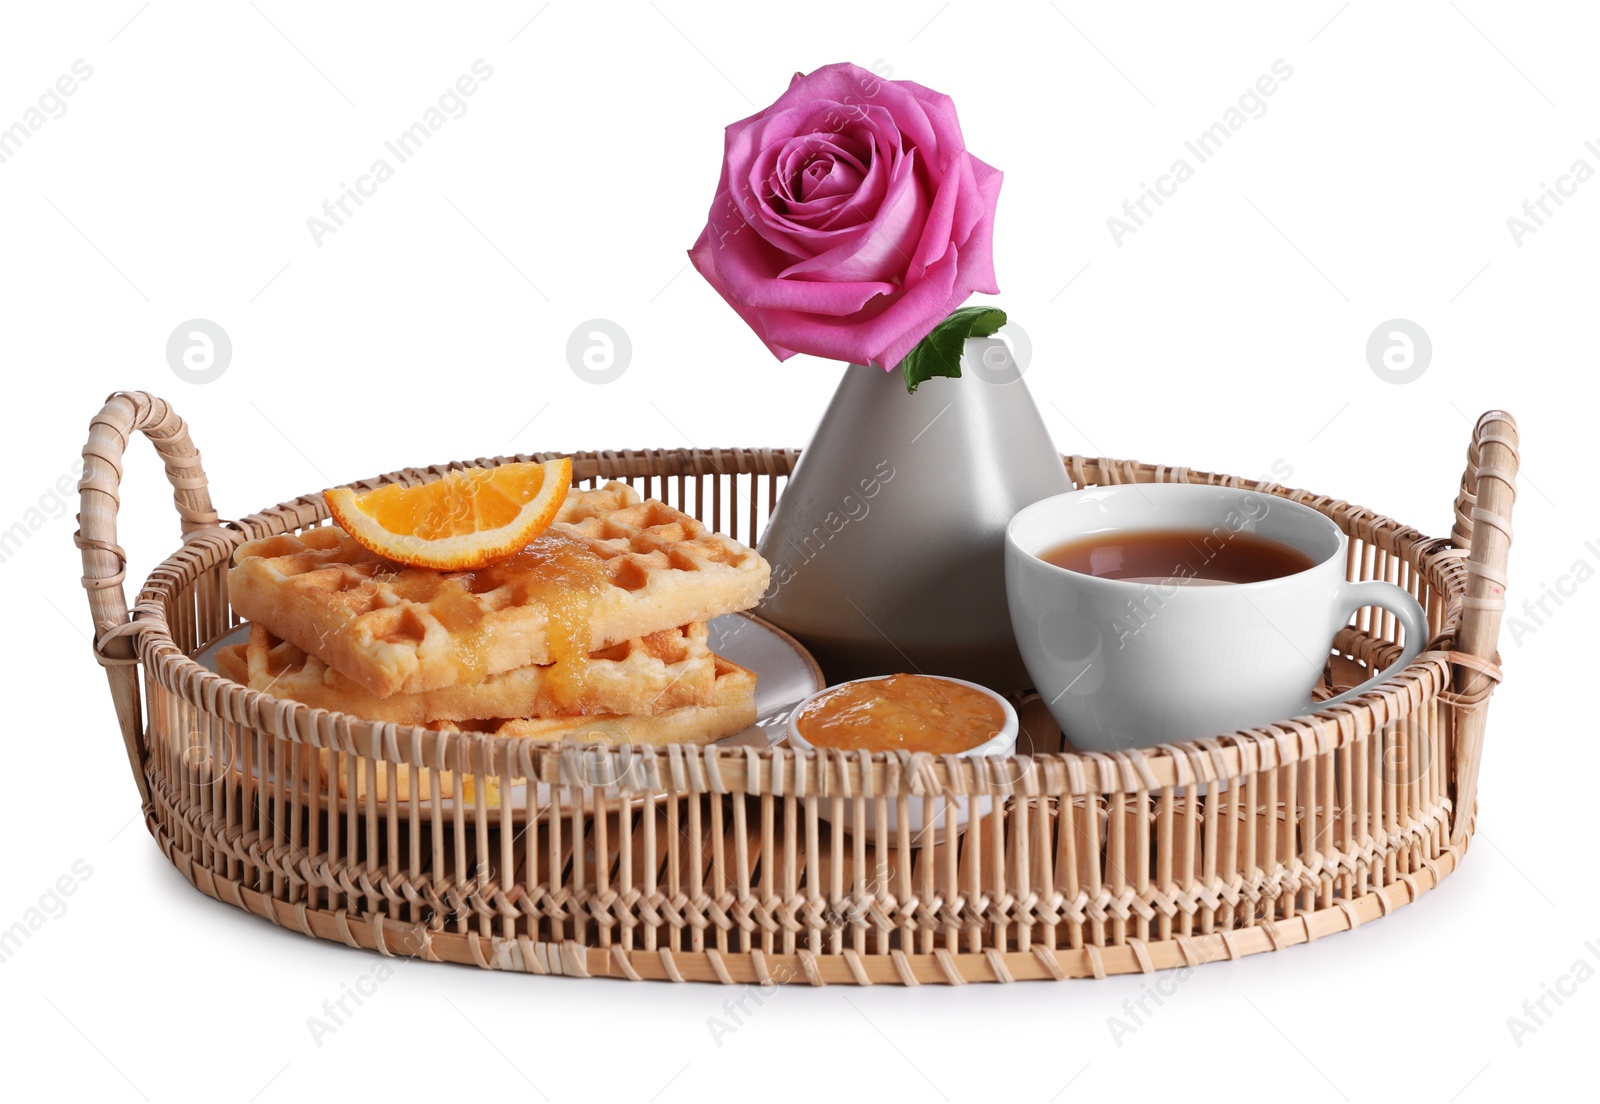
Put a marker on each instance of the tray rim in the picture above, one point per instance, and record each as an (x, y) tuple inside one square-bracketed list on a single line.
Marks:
[(1183, 764)]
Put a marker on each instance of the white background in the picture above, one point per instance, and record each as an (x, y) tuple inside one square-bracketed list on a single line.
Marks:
[(1227, 333)]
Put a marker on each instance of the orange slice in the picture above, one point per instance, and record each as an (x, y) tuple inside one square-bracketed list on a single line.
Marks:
[(466, 520)]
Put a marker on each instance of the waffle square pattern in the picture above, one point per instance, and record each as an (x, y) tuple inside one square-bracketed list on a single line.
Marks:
[(611, 568)]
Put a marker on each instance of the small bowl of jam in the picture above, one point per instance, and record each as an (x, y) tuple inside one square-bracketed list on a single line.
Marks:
[(916, 713)]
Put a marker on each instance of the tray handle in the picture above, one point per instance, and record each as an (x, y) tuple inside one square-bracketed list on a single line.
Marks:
[(1483, 531), (104, 562)]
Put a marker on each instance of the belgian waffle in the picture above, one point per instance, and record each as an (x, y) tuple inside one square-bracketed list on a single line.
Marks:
[(732, 710), (664, 670), (610, 568)]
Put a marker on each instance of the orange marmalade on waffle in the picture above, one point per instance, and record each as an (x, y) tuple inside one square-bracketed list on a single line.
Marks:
[(552, 569)]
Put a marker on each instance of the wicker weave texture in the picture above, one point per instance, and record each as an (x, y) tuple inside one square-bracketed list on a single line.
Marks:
[(718, 864)]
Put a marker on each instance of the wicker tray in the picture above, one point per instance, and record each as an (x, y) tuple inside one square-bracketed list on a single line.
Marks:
[(1090, 864)]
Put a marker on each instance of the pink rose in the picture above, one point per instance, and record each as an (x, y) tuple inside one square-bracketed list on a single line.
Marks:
[(850, 218)]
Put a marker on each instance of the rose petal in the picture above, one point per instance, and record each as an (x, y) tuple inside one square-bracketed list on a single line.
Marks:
[(876, 335), (791, 233), (977, 253), (850, 89), (935, 240), (798, 161), (882, 249), (740, 264), (810, 199)]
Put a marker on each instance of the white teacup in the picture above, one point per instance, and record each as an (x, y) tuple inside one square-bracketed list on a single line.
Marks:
[(1125, 664)]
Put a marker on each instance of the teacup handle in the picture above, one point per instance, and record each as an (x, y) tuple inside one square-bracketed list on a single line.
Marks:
[(1353, 596)]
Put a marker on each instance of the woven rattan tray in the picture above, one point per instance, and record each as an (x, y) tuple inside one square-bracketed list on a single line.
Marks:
[(1090, 864)]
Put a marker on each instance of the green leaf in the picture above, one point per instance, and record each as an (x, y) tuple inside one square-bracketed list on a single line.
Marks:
[(939, 354)]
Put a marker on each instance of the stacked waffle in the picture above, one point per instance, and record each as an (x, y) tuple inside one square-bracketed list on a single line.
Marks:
[(593, 632)]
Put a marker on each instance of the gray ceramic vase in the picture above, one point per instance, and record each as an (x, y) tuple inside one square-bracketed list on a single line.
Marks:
[(887, 546)]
